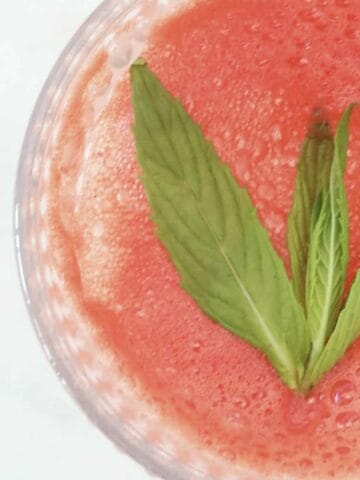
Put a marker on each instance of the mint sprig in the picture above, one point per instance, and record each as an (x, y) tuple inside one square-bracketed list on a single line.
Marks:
[(223, 254), (328, 252)]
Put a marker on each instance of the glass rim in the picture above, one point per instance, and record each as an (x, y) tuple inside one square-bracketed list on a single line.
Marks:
[(98, 22)]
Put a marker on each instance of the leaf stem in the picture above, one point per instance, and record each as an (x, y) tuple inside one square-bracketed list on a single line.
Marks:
[(307, 381)]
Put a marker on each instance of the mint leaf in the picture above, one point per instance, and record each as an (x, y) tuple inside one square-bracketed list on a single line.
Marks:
[(328, 252), (313, 172), (212, 232), (328, 258), (346, 331)]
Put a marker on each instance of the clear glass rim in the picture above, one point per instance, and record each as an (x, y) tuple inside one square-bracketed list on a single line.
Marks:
[(141, 452)]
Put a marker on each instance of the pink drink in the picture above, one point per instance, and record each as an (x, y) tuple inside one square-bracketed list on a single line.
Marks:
[(250, 72)]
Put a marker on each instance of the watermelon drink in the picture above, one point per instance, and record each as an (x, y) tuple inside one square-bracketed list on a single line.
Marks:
[(252, 73)]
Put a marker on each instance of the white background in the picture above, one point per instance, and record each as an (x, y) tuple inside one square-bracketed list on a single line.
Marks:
[(43, 434)]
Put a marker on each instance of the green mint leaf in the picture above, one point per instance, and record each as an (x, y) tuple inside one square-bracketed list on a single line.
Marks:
[(212, 232), (328, 257), (328, 252), (313, 173), (346, 331)]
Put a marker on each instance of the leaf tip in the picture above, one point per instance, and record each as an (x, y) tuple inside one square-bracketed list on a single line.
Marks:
[(353, 105), (139, 62), (345, 118), (319, 127), (137, 67)]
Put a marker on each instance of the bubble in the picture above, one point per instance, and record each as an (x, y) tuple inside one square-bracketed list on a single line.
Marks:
[(189, 103), (196, 371), (259, 394), (277, 24), (346, 420), (304, 415), (306, 463), (343, 392), (240, 142), (255, 27), (310, 15), (196, 346), (276, 133), (246, 176), (98, 229), (343, 450), (303, 61), (352, 33), (241, 402), (304, 44), (311, 400), (327, 456), (297, 60)]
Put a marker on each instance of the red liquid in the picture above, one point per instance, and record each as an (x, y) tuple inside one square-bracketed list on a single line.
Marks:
[(251, 72)]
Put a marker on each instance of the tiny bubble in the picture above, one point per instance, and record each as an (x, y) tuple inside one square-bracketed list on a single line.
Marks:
[(343, 450), (240, 142), (306, 463), (259, 395), (304, 61), (241, 402), (346, 420), (196, 346), (276, 133)]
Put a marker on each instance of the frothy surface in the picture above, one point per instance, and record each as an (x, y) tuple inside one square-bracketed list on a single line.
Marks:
[(251, 73)]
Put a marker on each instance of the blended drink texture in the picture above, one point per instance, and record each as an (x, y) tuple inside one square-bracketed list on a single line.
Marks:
[(251, 72)]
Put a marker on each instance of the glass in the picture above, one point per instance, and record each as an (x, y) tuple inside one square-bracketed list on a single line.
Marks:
[(67, 341)]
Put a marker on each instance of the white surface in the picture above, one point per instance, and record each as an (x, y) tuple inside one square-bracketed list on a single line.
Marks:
[(43, 434)]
